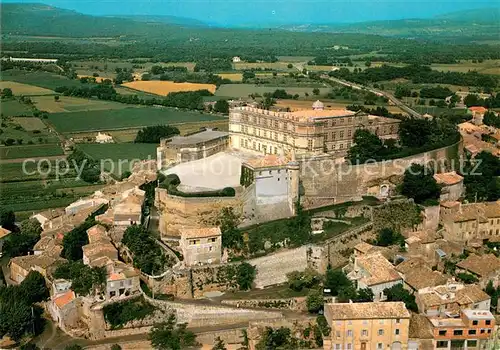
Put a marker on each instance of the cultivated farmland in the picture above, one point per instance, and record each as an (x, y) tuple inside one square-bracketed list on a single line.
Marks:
[(12, 108), (25, 89), (165, 87), (73, 104), (119, 157), (29, 151), (125, 118), (29, 124), (41, 79), (243, 90), (283, 66), (231, 76)]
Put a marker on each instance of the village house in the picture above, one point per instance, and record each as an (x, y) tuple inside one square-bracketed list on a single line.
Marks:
[(47, 215), (21, 266), (363, 248), (49, 245), (422, 243), (452, 186), (82, 204), (420, 335), (236, 59), (103, 138), (471, 223), (122, 280), (377, 325), (450, 298), (469, 331), (484, 267), (63, 309), (4, 233), (201, 246), (374, 271), (417, 275)]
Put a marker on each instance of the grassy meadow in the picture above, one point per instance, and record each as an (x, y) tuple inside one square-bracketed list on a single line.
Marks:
[(74, 104), (30, 151), (13, 108), (243, 90), (41, 79), (25, 89), (129, 117)]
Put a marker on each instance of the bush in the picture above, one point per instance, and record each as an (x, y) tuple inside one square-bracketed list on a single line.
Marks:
[(172, 181), (118, 314)]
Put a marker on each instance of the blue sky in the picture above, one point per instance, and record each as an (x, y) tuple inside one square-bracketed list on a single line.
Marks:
[(237, 12)]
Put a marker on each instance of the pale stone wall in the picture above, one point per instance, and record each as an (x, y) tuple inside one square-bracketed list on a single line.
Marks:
[(190, 212), (209, 315), (327, 182), (295, 304)]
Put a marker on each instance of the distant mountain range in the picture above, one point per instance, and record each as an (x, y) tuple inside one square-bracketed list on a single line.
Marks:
[(44, 20)]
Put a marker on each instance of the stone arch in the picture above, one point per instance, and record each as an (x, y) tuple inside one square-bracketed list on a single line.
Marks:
[(396, 346), (384, 190)]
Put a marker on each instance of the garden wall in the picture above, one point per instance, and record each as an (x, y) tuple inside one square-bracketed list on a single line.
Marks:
[(295, 304)]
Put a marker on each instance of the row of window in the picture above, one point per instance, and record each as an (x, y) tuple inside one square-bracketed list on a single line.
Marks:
[(456, 344), (265, 134), (198, 241), (461, 331), (365, 322), (350, 346), (257, 146), (267, 122), (364, 332)]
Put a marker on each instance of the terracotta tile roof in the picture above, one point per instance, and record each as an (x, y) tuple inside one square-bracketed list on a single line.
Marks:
[(363, 247), (449, 179), (200, 232), (97, 233), (479, 109), (364, 311), (4, 232), (411, 263), (28, 262), (471, 293), (379, 269), (481, 265), (268, 161), (423, 277), (64, 299), (100, 249), (449, 204), (420, 327)]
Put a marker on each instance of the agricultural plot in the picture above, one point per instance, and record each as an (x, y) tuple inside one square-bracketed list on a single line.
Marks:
[(99, 79), (30, 171), (29, 151), (165, 87), (40, 79), (485, 67), (73, 104), (27, 130), (282, 66), (243, 90), (29, 124), (12, 108), (25, 89), (119, 157), (125, 118), (297, 105), (231, 76), (292, 59)]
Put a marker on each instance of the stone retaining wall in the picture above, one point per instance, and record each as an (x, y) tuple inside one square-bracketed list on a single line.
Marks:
[(207, 315), (295, 304)]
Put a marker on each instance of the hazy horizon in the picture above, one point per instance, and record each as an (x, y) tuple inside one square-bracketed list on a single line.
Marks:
[(271, 12)]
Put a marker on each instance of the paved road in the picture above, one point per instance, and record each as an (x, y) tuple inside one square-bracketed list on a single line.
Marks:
[(378, 92)]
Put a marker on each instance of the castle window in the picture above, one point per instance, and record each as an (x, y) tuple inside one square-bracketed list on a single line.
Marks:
[(284, 138), (310, 144), (349, 133), (341, 134), (334, 135)]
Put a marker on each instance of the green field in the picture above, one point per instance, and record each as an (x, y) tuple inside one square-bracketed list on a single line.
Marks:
[(243, 90), (37, 78), (73, 104), (112, 155), (13, 108), (29, 151), (485, 67), (16, 172), (124, 118)]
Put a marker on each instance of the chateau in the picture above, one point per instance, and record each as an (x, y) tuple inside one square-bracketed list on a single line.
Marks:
[(313, 131)]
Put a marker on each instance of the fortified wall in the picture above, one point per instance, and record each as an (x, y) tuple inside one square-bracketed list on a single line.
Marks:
[(191, 212), (326, 182)]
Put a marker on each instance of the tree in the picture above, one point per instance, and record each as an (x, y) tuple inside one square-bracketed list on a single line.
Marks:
[(7, 93), (415, 132), (280, 338), (364, 295), (7, 219), (387, 237), (480, 178), (419, 184), (34, 288), (365, 146), (219, 344), (228, 221), (492, 119), (245, 275), (336, 281), (398, 293), (56, 98), (368, 63), (73, 347), (116, 347), (289, 66), (298, 280), (316, 91), (221, 106), (31, 227), (314, 301), (169, 336), (153, 134)]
